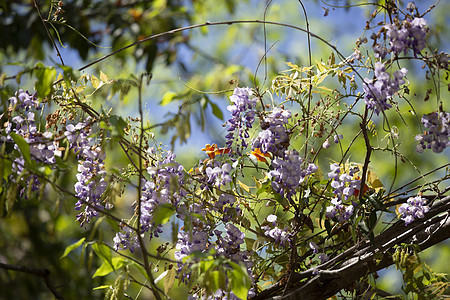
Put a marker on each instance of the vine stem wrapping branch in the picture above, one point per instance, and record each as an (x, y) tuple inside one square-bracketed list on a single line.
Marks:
[(368, 153), (155, 289)]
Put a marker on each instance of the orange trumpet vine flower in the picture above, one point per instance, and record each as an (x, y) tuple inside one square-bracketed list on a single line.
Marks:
[(260, 156), (212, 150)]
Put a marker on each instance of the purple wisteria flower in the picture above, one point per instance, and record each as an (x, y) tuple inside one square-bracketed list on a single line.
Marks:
[(337, 138), (411, 34), (280, 236), (164, 187), (230, 246), (314, 247), (383, 88), (197, 238), (339, 211), (326, 144), (274, 138), (125, 240), (322, 256), (91, 184), (43, 149), (242, 117), (226, 206), (344, 187), (220, 294), (438, 133), (218, 175), (272, 219), (204, 236), (343, 184), (411, 7), (24, 101), (91, 175), (380, 51), (191, 242), (289, 173), (212, 173), (78, 136), (413, 209)]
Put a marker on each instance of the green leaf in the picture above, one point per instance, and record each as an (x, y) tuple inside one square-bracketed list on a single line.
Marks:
[(216, 111), (45, 79), (103, 77), (24, 147), (328, 226), (264, 187), (101, 287), (106, 268), (69, 75), (168, 97), (205, 265), (113, 224), (140, 269), (72, 247), (249, 242), (61, 163), (2, 79), (372, 219), (103, 252), (240, 283), (162, 213), (6, 168), (11, 197), (169, 280), (363, 227), (214, 280), (95, 82), (280, 199), (244, 186), (118, 124)]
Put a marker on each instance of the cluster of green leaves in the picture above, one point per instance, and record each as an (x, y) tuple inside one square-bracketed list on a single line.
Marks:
[(419, 280)]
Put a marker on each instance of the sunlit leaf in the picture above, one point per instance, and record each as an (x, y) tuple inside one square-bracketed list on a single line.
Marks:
[(103, 252), (103, 77), (72, 247), (106, 268), (240, 283), (95, 82), (167, 98), (244, 186), (45, 79), (101, 287), (214, 280)]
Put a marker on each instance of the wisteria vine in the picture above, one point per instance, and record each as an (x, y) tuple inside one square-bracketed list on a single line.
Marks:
[(262, 164)]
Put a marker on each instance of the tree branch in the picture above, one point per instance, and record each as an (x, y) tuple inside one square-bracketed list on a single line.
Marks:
[(44, 273), (368, 257)]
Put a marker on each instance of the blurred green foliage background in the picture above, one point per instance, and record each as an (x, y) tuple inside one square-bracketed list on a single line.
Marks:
[(209, 59)]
